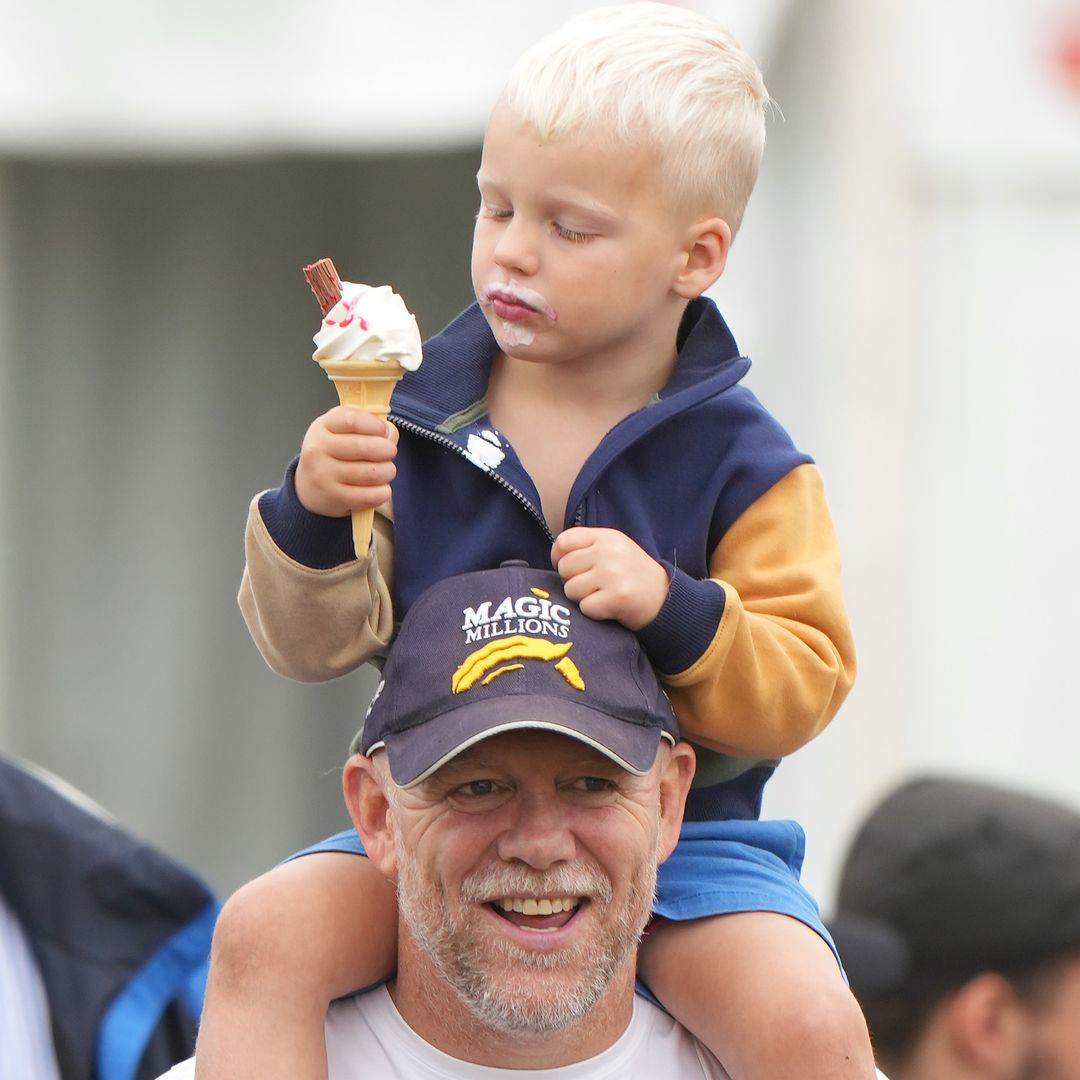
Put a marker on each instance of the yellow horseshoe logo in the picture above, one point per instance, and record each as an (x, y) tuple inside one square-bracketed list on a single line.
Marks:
[(493, 660)]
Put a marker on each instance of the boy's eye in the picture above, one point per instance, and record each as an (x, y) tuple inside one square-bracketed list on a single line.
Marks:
[(496, 212), (572, 235)]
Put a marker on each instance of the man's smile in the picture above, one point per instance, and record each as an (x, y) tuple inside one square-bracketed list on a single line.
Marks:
[(525, 909), (541, 906), (545, 913)]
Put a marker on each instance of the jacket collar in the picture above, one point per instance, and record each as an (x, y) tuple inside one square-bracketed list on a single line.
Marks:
[(450, 386)]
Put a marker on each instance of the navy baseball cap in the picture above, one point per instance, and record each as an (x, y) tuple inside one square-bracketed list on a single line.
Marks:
[(503, 650)]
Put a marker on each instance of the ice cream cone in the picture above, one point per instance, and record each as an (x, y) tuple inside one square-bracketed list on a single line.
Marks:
[(367, 341), (364, 385)]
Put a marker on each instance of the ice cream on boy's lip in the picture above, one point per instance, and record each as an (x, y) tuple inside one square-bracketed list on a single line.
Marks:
[(513, 303)]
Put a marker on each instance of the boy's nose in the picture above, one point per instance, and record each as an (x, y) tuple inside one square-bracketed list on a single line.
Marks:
[(516, 249)]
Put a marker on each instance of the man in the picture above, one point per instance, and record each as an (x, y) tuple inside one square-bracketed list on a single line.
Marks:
[(519, 777), (959, 925)]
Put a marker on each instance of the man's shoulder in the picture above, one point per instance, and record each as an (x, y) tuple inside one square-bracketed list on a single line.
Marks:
[(366, 1036), (660, 1046)]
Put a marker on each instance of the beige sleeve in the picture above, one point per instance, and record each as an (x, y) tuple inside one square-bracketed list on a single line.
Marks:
[(314, 625)]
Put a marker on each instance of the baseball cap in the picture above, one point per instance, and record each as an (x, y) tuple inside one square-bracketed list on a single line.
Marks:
[(500, 650), (949, 877)]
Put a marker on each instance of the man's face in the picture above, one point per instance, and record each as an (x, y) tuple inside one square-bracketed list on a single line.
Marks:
[(577, 238), (526, 871)]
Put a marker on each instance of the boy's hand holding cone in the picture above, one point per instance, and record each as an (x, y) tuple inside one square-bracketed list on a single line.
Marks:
[(367, 341)]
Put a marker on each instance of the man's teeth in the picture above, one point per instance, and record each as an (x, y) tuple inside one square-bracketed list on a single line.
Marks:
[(529, 906)]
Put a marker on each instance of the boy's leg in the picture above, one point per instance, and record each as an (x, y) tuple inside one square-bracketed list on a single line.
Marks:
[(764, 992), (285, 945)]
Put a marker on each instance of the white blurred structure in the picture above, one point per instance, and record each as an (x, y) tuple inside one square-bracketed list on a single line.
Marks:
[(906, 281), (910, 288), (127, 76)]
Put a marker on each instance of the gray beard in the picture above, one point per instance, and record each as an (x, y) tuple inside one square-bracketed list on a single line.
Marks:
[(499, 988)]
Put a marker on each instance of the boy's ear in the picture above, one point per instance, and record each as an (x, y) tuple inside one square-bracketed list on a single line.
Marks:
[(369, 809), (704, 254)]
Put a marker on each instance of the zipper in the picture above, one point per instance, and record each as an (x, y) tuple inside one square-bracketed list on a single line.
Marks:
[(505, 484)]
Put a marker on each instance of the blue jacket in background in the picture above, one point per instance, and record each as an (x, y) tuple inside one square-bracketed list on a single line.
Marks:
[(120, 932)]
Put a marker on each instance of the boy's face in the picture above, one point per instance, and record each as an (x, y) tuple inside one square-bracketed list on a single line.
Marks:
[(576, 249)]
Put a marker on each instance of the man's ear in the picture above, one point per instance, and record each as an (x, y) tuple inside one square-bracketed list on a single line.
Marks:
[(676, 772), (988, 1026), (705, 250), (369, 808)]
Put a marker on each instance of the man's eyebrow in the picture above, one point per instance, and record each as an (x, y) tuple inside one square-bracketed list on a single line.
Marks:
[(464, 763)]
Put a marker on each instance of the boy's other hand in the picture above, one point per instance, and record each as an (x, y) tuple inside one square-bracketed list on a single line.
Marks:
[(609, 576), (346, 462)]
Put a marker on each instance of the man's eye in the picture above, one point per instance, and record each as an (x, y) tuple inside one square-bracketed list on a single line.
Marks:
[(476, 788), (594, 784)]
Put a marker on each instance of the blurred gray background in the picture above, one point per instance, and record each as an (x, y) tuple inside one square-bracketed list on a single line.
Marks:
[(906, 283)]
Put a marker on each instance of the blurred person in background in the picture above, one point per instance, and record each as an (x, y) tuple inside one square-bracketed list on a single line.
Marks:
[(958, 920), (104, 941)]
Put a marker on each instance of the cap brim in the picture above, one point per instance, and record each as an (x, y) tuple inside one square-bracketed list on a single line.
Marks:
[(415, 754), (876, 958)]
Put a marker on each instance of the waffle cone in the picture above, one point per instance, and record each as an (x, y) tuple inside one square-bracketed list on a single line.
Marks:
[(364, 385)]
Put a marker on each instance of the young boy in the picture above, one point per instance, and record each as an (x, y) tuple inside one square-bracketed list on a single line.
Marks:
[(587, 413)]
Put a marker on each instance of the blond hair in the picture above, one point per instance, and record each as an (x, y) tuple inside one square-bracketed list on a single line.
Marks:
[(660, 75)]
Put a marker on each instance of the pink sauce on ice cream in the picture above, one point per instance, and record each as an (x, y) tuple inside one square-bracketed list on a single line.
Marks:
[(369, 323)]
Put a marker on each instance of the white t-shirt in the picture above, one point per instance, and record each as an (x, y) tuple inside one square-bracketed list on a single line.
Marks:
[(366, 1037)]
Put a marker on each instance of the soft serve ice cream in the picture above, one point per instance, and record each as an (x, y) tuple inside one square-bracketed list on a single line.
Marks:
[(369, 323)]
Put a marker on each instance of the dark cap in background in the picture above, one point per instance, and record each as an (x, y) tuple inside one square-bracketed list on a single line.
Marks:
[(950, 877)]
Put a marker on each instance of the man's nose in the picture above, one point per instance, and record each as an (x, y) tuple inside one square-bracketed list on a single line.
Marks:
[(516, 249), (539, 833)]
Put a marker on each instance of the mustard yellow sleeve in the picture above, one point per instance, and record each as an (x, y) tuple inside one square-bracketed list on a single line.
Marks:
[(782, 658), (311, 624)]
